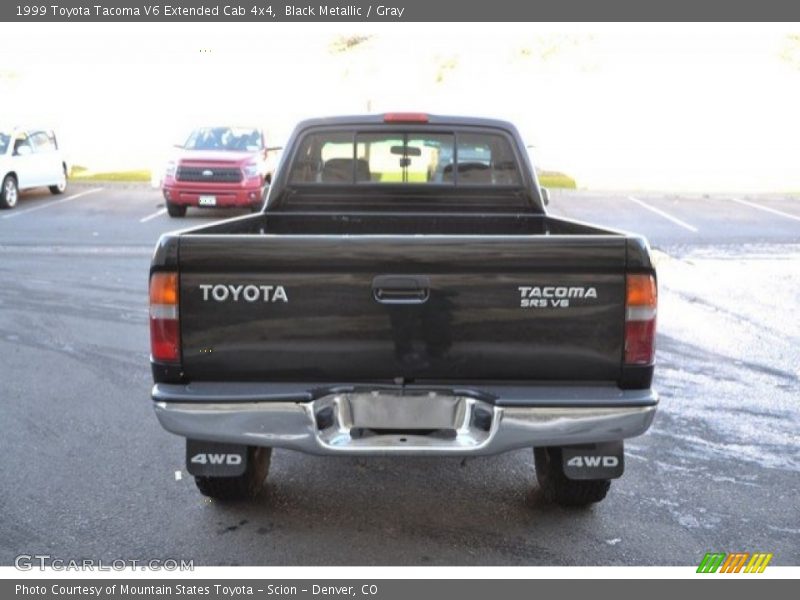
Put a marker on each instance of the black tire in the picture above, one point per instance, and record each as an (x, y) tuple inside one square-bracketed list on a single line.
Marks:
[(176, 210), (9, 193), (558, 488), (243, 487), (60, 187)]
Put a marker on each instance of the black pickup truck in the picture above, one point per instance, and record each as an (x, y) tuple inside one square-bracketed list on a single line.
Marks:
[(404, 292)]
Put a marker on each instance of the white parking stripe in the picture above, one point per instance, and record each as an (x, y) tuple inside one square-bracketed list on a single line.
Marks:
[(667, 216), (158, 213), (767, 209), (18, 213)]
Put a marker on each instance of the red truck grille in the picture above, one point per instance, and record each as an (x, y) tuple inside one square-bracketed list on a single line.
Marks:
[(209, 174)]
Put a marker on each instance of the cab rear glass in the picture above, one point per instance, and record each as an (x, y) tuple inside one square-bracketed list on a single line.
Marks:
[(415, 158)]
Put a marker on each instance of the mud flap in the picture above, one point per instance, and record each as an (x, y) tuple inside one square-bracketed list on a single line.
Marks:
[(594, 461), (215, 459)]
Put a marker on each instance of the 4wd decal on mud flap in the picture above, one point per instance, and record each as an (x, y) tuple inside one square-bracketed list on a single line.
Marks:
[(215, 459), (594, 461)]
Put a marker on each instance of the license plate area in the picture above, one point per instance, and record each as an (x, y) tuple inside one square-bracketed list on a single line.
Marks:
[(207, 200), (391, 412), (390, 421)]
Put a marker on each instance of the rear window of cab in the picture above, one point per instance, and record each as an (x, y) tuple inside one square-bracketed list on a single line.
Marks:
[(398, 157)]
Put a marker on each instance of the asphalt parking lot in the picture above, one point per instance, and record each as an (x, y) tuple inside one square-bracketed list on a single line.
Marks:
[(87, 472)]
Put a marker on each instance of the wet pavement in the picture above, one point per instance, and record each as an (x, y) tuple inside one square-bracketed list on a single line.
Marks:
[(88, 472)]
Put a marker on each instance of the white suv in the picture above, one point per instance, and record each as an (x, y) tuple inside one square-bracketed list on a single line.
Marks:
[(29, 158)]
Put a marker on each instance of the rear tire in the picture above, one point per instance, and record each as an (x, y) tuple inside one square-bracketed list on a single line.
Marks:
[(243, 487), (176, 210), (9, 193), (558, 488), (60, 187)]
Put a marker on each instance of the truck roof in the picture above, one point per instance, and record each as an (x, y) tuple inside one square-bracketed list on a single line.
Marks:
[(406, 118)]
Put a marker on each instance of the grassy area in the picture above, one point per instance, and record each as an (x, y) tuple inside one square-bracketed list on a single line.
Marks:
[(549, 179), (397, 177), (78, 173), (554, 179)]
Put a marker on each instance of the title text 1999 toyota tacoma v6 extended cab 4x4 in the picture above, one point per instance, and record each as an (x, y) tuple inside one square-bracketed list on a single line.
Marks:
[(404, 292)]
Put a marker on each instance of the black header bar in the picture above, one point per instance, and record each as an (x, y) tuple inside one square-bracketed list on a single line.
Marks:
[(401, 11)]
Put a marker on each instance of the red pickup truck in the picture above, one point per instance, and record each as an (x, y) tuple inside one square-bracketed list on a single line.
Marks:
[(219, 167)]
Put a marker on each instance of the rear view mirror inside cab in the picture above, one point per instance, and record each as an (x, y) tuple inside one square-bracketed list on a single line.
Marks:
[(406, 151)]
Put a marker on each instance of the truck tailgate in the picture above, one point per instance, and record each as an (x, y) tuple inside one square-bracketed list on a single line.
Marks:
[(382, 307)]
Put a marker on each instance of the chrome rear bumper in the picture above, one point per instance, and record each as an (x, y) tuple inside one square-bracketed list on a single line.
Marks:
[(419, 423)]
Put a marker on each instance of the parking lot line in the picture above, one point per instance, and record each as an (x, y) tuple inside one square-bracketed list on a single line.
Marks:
[(158, 213), (767, 209), (25, 211), (661, 213)]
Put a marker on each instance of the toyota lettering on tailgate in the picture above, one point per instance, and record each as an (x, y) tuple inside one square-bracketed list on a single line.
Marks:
[(246, 292)]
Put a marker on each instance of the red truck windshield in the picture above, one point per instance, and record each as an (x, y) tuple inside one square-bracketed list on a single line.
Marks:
[(457, 158), (234, 139)]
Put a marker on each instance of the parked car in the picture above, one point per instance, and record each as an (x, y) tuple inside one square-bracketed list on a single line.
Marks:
[(219, 167), (387, 303), (29, 158)]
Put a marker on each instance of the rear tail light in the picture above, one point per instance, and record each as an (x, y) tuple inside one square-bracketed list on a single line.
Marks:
[(165, 337), (405, 117), (640, 319)]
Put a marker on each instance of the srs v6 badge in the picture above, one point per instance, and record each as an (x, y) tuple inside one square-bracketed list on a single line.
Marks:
[(553, 296)]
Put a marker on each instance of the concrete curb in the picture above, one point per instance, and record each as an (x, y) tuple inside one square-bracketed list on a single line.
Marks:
[(123, 185)]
